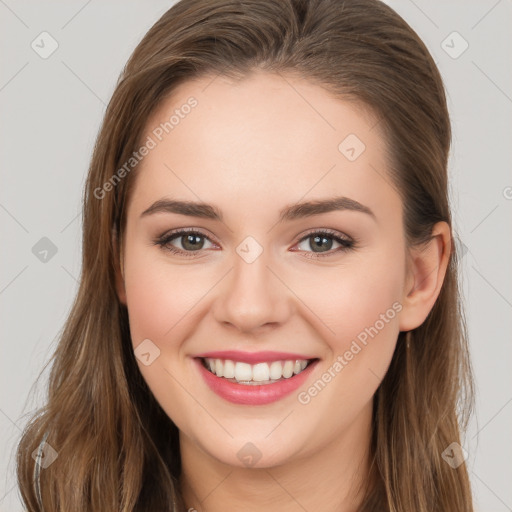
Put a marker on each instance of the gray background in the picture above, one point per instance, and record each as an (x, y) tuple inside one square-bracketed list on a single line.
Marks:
[(51, 110)]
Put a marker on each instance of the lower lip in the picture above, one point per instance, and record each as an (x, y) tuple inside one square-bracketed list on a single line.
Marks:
[(253, 394)]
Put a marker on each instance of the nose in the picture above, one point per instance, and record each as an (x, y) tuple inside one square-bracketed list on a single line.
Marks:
[(253, 297)]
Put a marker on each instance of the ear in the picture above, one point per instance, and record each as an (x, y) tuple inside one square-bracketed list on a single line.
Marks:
[(426, 270), (119, 269)]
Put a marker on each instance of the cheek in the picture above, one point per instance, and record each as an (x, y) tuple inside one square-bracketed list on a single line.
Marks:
[(151, 304), (354, 296), (160, 296), (360, 304)]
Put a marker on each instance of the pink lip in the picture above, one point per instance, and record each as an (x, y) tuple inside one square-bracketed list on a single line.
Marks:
[(254, 357), (253, 395)]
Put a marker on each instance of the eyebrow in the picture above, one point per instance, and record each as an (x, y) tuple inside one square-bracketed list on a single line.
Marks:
[(289, 213)]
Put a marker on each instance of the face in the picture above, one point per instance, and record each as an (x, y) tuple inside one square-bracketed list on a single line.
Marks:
[(256, 280)]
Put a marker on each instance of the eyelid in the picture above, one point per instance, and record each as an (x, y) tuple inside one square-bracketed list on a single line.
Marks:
[(327, 231)]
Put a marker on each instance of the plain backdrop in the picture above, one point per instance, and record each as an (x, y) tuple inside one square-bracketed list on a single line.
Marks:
[(51, 109)]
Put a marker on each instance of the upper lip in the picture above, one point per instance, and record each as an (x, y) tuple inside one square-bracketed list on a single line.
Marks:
[(254, 357)]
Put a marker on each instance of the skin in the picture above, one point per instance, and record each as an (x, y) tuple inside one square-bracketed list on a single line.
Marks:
[(251, 148)]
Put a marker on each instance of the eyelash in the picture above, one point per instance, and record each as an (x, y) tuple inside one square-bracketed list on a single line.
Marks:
[(164, 240)]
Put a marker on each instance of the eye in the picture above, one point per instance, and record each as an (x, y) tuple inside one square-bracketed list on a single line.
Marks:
[(321, 243), (189, 240)]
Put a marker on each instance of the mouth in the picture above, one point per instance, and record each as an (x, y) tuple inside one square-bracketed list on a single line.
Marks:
[(259, 374)]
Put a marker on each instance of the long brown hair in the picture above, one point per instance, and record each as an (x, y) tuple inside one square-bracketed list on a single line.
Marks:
[(117, 449)]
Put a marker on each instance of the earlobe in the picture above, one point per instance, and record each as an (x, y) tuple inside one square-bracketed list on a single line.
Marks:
[(425, 275)]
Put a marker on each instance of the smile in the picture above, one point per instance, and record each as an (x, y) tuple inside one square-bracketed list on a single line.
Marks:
[(260, 378), (254, 374)]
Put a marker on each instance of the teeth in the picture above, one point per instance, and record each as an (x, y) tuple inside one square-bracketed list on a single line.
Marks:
[(261, 372), (219, 368), (288, 369), (243, 371), (229, 369), (276, 370)]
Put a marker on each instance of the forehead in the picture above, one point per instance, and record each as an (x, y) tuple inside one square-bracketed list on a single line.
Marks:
[(266, 137)]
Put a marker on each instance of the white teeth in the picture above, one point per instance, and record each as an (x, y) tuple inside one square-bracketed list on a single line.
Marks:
[(219, 368), (276, 370), (260, 372), (288, 369), (229, 369), (243, 371)]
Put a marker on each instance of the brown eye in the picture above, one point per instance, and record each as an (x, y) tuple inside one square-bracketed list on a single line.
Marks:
[(184, 242), (321, 243)]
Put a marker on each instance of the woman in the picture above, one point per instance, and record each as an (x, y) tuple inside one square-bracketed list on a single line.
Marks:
[(222, 353)]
